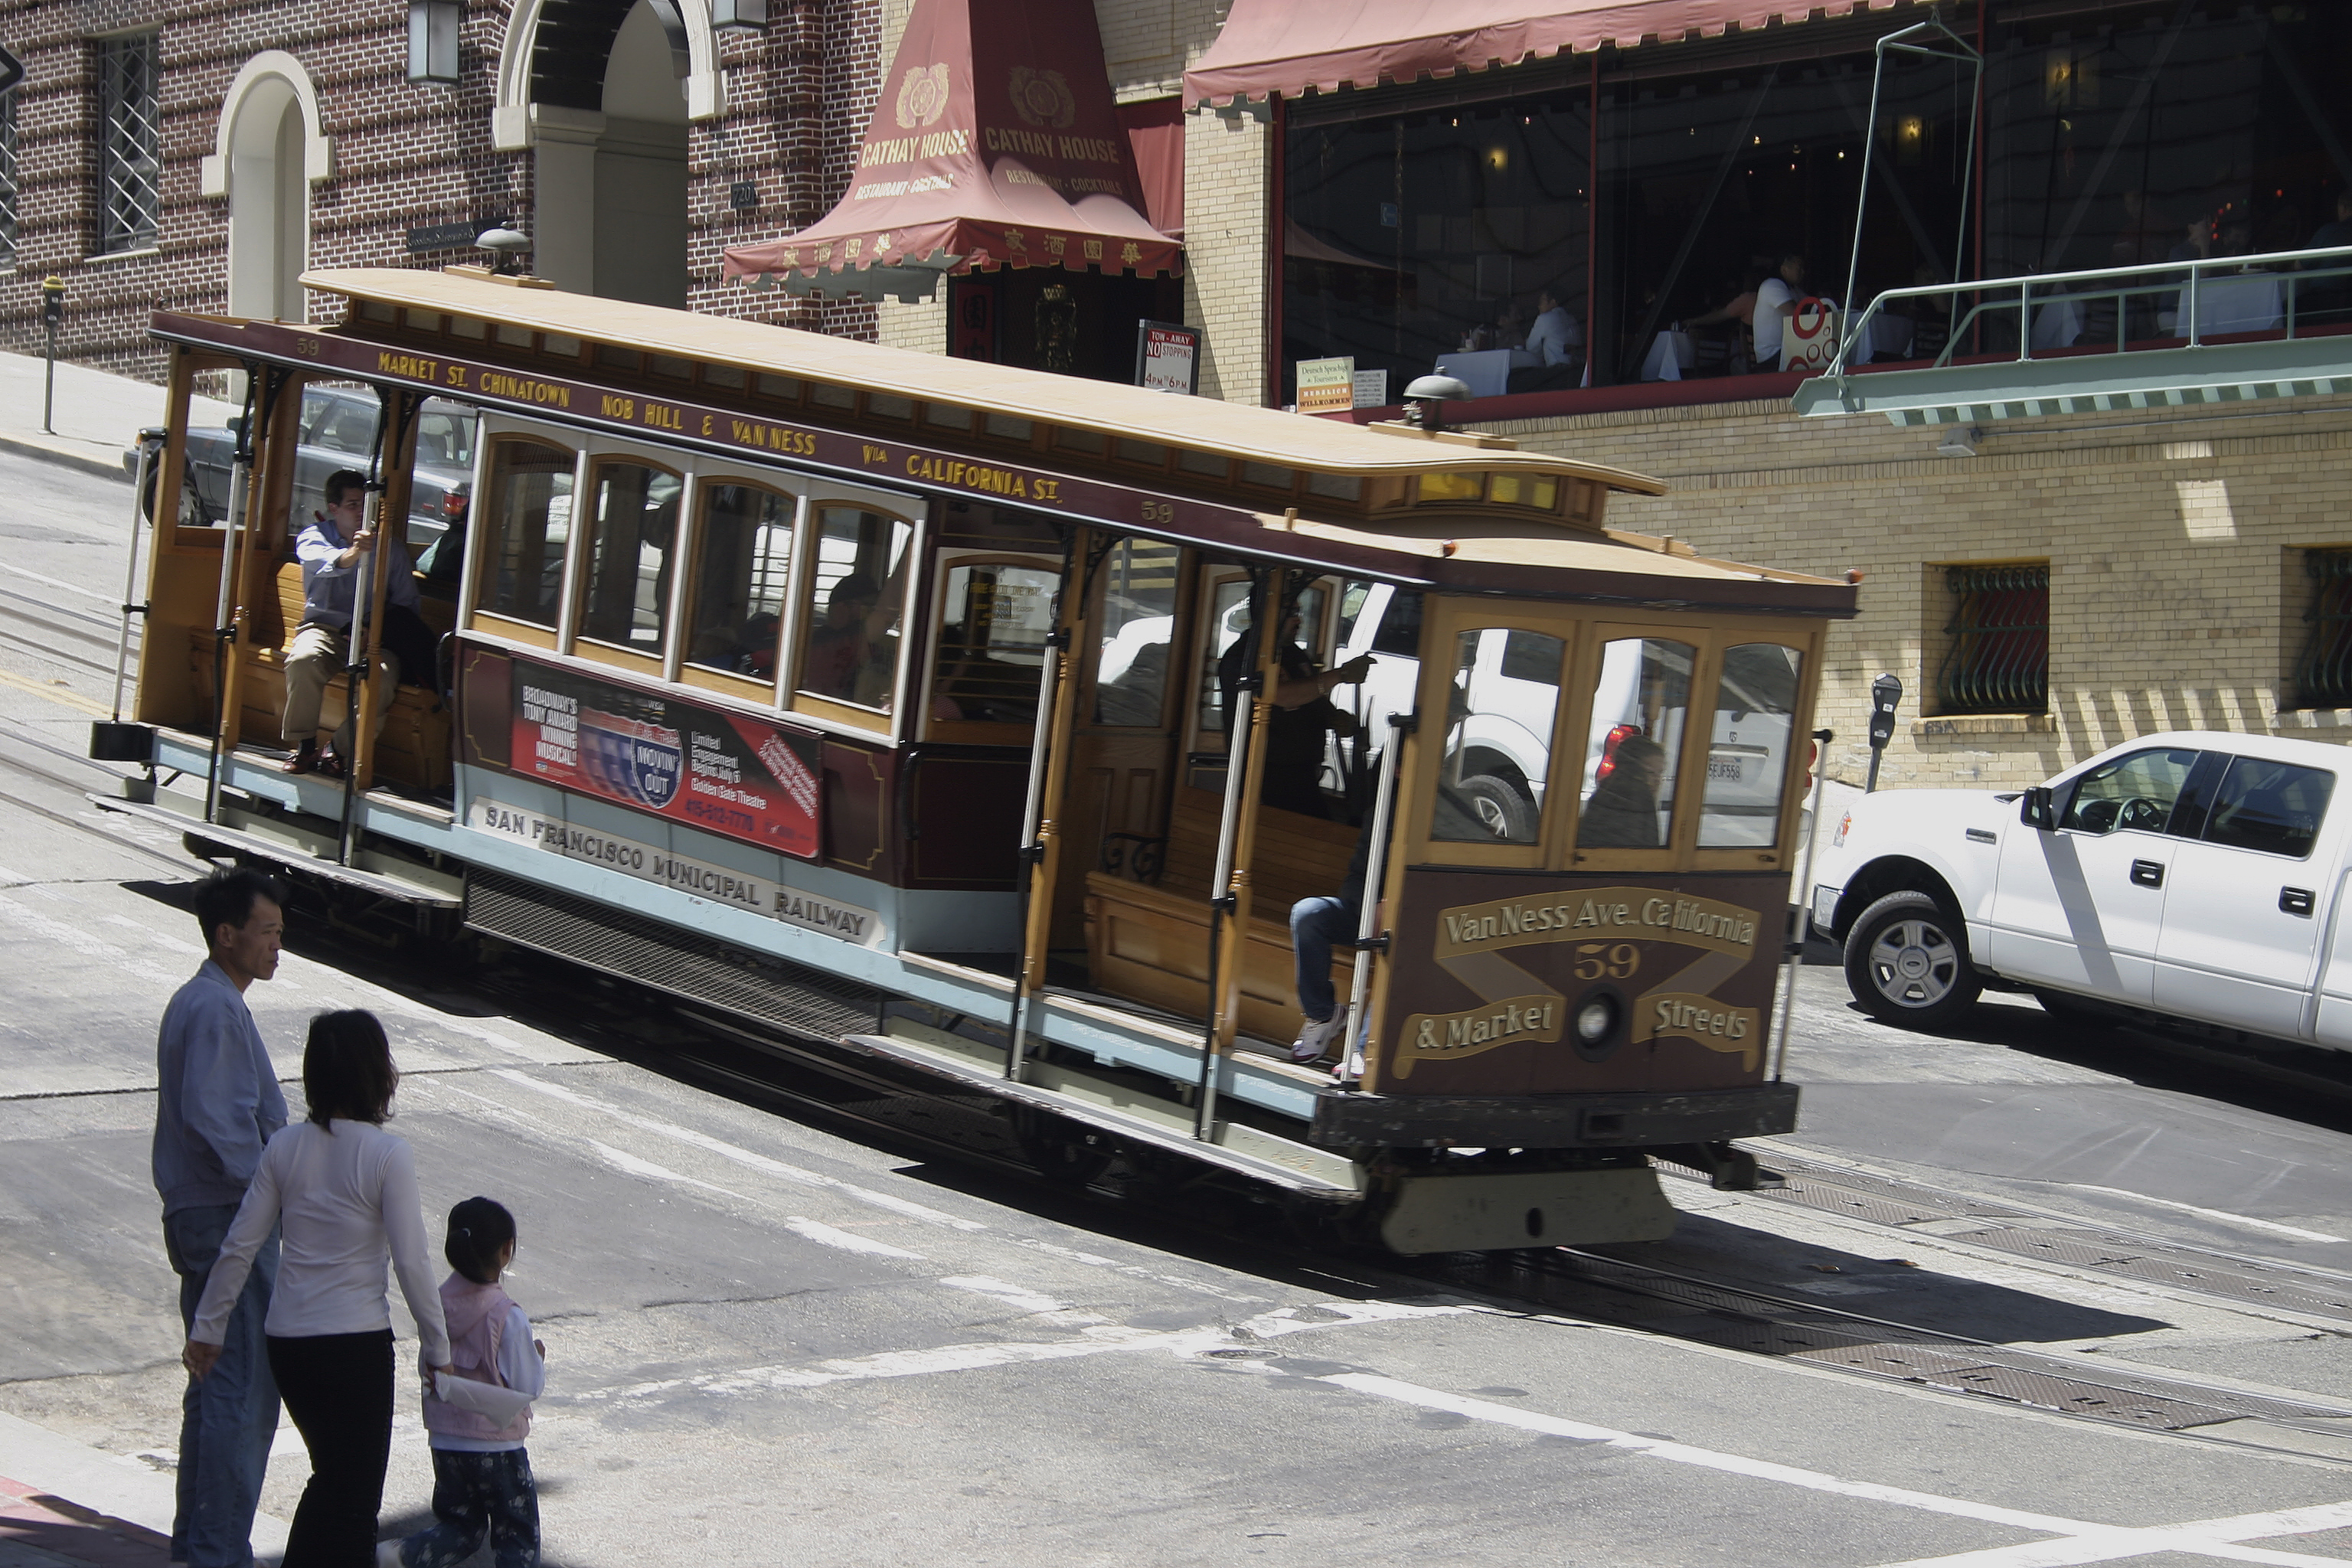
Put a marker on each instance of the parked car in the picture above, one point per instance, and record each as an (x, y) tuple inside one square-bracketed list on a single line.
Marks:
[(338, 430), (2188, 878)]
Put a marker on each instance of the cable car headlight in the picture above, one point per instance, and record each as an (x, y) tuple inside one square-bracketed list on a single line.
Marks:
[(1596, 1020)]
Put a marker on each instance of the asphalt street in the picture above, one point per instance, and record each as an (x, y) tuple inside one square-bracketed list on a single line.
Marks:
[(774, 1341)]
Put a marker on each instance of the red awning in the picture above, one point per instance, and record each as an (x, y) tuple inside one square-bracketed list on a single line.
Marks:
[(1284, 48), (992, 146)]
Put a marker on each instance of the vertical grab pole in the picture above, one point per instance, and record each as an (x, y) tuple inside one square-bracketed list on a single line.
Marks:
[(240, 481), (1793, 959), (1368, 919), (1236, 844), (150, 455), (1048, 784)]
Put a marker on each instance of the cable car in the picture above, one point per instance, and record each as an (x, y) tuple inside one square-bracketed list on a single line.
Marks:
[(984, 728)]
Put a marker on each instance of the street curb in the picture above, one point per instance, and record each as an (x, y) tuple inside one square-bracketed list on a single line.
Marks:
[(21, 447)]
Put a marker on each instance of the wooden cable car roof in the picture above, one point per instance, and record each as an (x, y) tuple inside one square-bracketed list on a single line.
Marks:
[(1205, 424)]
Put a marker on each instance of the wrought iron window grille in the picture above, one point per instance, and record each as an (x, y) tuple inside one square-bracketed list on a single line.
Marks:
[(2322, 676), (9, 186), (130, 162), (1998, 657)]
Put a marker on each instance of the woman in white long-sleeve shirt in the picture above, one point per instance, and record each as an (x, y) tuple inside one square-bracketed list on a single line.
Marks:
[(346, 1190)]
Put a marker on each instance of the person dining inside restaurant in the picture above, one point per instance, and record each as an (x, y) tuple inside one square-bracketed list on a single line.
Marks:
[(1555, 337)]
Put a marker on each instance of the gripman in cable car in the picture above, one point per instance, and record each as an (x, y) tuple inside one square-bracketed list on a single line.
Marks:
[(1007, 741)]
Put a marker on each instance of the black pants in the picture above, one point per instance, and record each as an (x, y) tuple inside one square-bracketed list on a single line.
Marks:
[(338, 1389)]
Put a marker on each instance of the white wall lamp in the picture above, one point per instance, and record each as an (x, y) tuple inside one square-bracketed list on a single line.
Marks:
[(433, 39), (745, 15), (1962, 443)]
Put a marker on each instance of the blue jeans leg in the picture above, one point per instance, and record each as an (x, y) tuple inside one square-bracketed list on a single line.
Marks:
[(1317, 926), (228, 1420)]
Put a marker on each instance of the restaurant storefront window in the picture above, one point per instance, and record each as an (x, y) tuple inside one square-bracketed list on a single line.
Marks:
[(1433, 220)]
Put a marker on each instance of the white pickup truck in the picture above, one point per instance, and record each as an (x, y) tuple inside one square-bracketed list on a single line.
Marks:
[(2193, 877)]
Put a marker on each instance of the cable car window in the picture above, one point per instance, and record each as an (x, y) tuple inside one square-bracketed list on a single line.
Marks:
[(857, 609), (1498, 729), (1747, 750), (2275, 807), (995, 617), (2135, 792), (734, 621), (629, 555), (1399, 628), (530, 521), (1640, 703), (1139, 620)]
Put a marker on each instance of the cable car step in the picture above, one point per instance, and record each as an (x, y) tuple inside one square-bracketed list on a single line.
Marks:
[(1241, 1150), (293, 847)]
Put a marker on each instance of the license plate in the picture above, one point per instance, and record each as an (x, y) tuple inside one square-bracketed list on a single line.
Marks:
[(1731, 768)]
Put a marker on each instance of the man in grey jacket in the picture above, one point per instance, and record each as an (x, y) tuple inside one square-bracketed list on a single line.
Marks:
[(218, 1103)]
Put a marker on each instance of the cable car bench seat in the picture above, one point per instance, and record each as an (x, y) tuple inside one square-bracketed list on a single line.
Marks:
[(1150, 942), (412, 750)]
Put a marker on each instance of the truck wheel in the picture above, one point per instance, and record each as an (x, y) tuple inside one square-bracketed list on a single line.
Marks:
[(1906, 962), (1502, 807)]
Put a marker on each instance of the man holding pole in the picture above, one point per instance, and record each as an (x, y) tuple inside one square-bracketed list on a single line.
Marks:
[(333, 550)]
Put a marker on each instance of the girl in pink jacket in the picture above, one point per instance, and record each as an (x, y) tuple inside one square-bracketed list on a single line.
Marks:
[(481, 1475)]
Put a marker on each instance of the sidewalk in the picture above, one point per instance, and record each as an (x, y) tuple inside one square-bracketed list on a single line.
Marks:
[(96, 415), (65, 1502)]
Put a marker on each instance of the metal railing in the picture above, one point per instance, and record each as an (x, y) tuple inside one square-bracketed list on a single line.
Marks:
[(2130, 293), (1999, 660)]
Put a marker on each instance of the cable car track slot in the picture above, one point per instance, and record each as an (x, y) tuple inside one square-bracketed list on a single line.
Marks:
[(2287, 1289)]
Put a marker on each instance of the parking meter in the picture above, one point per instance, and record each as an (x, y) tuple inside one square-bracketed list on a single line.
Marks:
[(1886, 696), (53, 316)]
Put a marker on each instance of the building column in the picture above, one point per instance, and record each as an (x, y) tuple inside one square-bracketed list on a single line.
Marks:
[(563, 197), (1226, 234)]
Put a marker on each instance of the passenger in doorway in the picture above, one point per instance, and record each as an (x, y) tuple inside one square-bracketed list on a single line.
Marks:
[(1622, 813), (217, 1104), (848, 657), (1303, 716), (1317, 927), (332, 551)]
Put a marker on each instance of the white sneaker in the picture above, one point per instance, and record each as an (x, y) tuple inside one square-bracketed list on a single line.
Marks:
[(1316, 1038)]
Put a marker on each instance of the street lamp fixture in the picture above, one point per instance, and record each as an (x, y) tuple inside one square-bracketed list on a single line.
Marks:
[(433, 39), (747, 16)]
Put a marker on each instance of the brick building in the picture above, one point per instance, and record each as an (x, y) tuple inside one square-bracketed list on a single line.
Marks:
[(198, 157)]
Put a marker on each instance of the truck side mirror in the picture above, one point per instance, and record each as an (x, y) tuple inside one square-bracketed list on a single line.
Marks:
[(2038, 810)]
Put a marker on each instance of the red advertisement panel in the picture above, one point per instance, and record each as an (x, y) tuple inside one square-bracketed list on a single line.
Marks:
[(729, 775)]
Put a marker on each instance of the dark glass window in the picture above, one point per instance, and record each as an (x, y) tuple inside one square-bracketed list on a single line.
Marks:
[(2275, 807), (528, 511), (1423, 220)]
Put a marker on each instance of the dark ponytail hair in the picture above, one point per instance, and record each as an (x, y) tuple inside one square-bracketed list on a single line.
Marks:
[(479, 1229)]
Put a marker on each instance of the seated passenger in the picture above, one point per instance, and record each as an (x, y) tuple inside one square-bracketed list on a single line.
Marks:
[(848, 660), (331, 550), (1622, 813), (1317, 926)]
